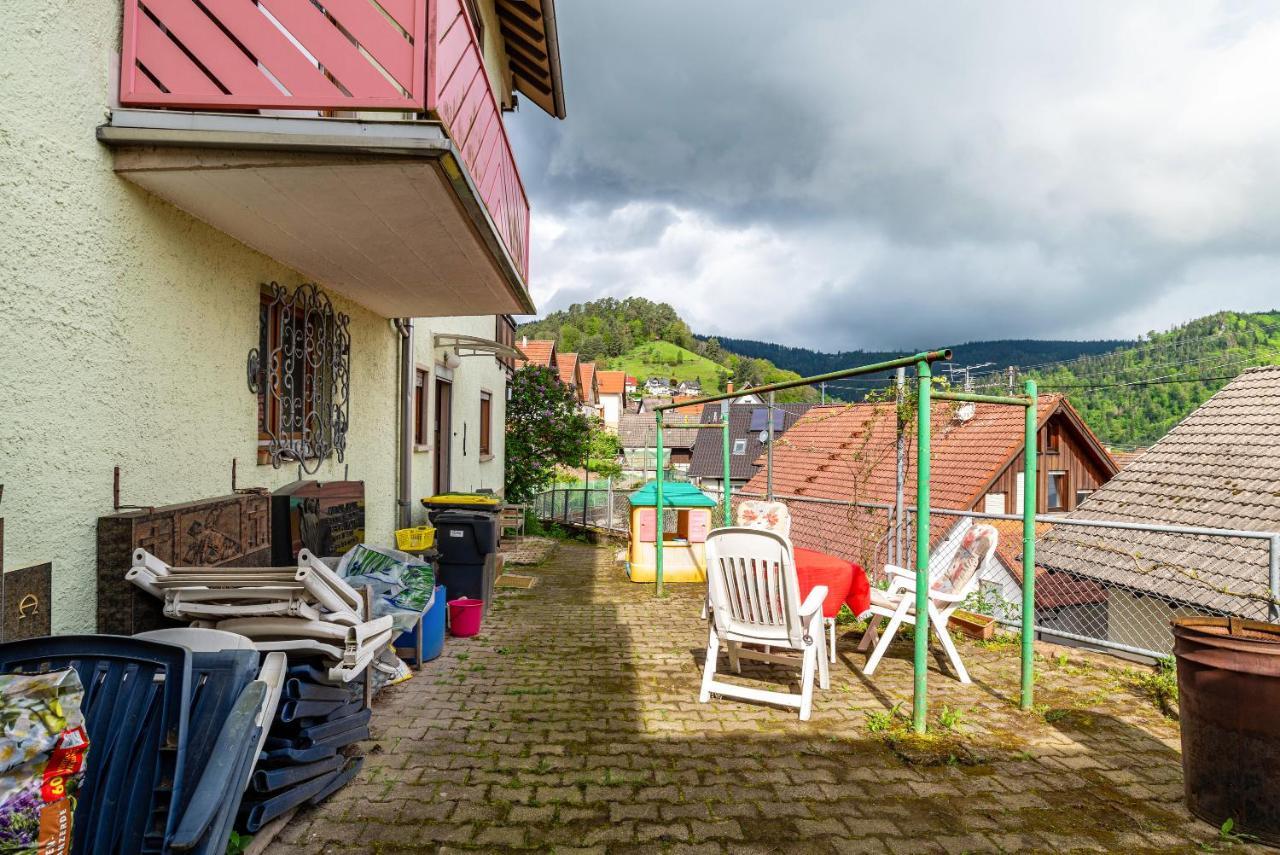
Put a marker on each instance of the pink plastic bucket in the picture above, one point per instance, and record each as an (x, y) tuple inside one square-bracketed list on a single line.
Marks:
[(464, 616)]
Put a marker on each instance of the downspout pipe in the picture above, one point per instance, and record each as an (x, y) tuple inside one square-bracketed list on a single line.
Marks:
[(404, 501)]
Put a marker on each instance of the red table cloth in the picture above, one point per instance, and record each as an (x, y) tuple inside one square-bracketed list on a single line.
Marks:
[(846, 582)]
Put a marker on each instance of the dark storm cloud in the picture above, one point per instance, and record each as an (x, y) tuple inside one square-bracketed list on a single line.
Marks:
[(883, 173)]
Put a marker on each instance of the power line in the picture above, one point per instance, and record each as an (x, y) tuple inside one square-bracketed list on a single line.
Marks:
[(1142, 349), (1090, 386)]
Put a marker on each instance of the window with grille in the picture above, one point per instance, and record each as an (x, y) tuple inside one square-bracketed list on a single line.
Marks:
[(301, 372)]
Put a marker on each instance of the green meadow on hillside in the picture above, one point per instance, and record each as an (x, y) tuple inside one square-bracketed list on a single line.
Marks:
[(663, 359)]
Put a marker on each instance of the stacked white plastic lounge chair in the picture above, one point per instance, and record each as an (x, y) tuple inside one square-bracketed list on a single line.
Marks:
[(304, 611)]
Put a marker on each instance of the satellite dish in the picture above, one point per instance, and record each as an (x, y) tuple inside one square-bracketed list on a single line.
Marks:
[(966, 411), (764, 436)]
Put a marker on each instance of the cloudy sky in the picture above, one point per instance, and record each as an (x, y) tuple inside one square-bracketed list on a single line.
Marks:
[(843, 175)]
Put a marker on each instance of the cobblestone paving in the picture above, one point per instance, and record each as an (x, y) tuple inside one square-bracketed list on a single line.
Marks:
[(572, 725)]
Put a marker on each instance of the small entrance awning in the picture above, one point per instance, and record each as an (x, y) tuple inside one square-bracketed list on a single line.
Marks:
[(382, 212)]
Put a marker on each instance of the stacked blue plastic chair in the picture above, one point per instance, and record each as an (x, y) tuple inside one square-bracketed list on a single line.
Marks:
[(170, 735), (302, 761)]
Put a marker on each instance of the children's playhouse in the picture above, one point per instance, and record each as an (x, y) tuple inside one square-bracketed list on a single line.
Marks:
[(684, 549)]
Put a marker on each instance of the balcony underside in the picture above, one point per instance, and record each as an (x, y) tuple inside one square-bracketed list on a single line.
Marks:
[(381, 212)]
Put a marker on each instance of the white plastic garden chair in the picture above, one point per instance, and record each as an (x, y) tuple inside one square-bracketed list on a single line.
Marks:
[(753, 597), (953, 574), (776, 517)]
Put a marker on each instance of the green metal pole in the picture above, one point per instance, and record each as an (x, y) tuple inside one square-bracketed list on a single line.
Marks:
[(1030, 481), (658, 522), (920, 705), (926, 356), (724, 485)]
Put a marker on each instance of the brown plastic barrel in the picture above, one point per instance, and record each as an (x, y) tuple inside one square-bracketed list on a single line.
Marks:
[(1229, 711)]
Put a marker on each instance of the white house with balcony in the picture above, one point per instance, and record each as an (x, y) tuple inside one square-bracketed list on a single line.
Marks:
[(252, 241)]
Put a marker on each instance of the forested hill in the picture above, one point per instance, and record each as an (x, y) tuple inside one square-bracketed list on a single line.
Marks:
[(1130, 393), (1134, 395), (1003, 353)]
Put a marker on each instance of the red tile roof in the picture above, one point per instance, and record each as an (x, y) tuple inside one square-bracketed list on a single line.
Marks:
[(569, 369), (612, 382), (692, 410), (588, 373), (538, 351)]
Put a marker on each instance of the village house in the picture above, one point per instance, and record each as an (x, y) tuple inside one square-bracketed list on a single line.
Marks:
[(571, 373), (638, 435), (257, 246), (690, 388), (748, 433), (1218, 468), (613, 397), (848, 453), (539, 352), (657, 387), (589, 390)]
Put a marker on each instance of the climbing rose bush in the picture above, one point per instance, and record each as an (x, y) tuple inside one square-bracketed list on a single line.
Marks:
[(544, 429)]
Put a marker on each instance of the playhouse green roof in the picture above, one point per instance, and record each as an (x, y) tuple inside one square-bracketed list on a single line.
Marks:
[(675, 494)]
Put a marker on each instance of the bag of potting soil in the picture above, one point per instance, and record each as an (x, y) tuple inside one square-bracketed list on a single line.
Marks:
[(42, 754), (403, 585)]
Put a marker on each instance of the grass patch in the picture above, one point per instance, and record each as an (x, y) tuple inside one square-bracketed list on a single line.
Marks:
[(1001, 641), (941, 746), (1161, 685)]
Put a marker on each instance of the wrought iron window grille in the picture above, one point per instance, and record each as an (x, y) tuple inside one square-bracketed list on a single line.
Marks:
[(301, 373)]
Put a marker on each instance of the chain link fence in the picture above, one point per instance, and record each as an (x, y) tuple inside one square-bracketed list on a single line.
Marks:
[(1072, 609)]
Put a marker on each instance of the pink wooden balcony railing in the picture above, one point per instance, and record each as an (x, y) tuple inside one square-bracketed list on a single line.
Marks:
[(403, 55)]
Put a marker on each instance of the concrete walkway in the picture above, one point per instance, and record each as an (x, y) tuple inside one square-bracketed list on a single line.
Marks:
[(572, 725)]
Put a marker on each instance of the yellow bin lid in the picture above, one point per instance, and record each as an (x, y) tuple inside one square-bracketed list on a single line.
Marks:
[(481, 499)]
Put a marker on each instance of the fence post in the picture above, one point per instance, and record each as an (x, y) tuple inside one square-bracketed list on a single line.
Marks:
[(609, 499), (1030, 503), (920, 696), (1275, 577)]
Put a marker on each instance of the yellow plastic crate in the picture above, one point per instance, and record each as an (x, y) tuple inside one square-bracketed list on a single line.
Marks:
[(415, 539)]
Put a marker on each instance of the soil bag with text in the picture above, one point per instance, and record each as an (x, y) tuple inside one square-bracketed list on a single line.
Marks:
[(42, 754)]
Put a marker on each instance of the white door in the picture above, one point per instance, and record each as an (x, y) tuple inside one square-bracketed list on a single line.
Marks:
[(1018, 498)]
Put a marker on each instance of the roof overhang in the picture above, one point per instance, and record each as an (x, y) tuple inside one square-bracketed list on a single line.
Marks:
[(382, 212), (533, 51)]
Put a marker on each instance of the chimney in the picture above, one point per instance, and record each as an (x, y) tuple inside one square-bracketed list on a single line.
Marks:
[(728, 387), (524, 341)]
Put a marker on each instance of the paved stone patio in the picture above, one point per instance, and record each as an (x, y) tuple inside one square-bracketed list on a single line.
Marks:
[(572, 725)]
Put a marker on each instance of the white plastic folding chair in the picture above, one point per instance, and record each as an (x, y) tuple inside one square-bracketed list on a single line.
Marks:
[(953, 574), (754, 599)]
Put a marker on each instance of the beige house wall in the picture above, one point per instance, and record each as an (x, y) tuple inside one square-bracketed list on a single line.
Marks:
[(468, 471), (125, 326)]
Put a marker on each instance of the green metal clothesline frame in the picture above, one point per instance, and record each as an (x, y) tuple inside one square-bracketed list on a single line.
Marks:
[(925, 396)]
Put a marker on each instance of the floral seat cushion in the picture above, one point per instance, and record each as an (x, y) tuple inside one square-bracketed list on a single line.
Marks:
[(974, 548), (770, 516)]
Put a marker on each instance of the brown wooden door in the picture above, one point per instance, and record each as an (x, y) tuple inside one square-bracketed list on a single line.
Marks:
[(443, 431)]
